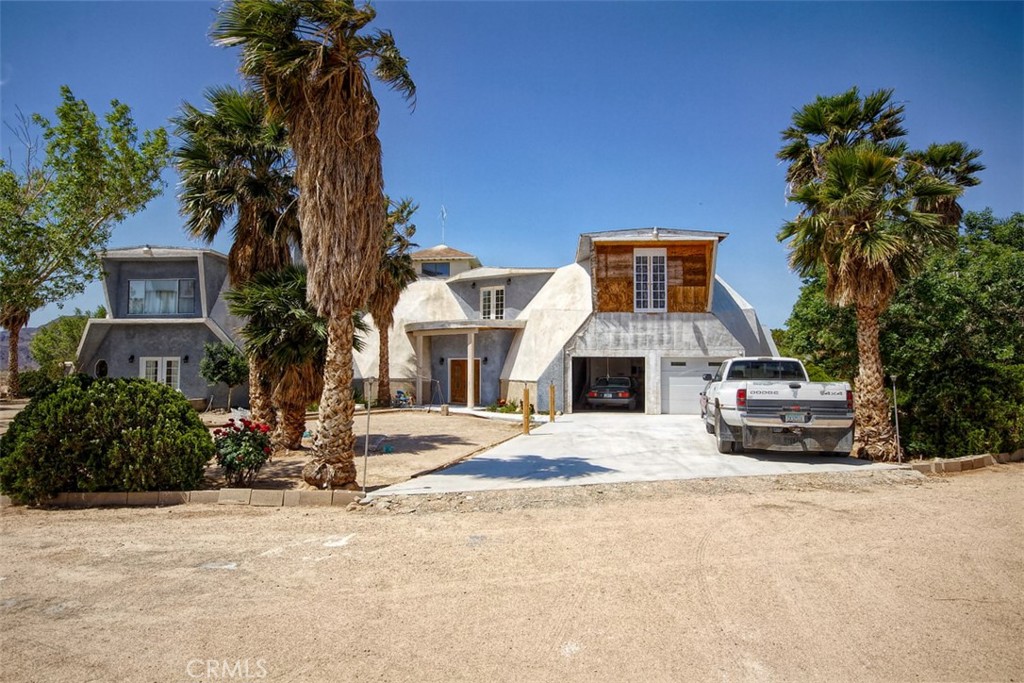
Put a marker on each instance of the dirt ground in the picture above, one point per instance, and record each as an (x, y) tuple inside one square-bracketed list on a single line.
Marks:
[(402, 443), (884, 576)]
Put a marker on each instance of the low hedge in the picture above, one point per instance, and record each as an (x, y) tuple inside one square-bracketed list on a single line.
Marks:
[(104, 435)]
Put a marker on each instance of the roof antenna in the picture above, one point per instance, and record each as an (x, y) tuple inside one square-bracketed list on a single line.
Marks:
[(444, 217)]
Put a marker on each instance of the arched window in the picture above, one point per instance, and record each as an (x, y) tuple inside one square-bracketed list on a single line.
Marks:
[(101, 368)]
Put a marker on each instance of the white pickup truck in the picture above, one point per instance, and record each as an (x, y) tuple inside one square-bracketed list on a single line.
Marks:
[(769, 404)]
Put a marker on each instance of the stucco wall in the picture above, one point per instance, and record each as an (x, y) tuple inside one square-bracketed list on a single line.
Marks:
[(740, 318), (490, 344), (216, 271), (518, 293), (423, 300), (122, 341), (120, 273)]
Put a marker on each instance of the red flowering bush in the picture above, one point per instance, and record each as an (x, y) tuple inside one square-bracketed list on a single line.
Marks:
[(242, 449)]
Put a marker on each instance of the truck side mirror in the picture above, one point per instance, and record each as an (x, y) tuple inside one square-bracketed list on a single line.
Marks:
[(706, 377)]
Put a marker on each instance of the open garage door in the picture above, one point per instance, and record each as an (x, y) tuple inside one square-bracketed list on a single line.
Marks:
[(681, 384), (586, 372)]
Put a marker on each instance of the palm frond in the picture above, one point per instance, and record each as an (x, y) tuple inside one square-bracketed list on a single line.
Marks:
[(235, 162), (281, 327)]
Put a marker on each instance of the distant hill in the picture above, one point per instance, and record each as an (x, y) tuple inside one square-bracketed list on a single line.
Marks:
[(24, 358)]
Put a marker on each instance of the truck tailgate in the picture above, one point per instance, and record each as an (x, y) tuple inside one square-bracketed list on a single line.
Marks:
[(797, 403)]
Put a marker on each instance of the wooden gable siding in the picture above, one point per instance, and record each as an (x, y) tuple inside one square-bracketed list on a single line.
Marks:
[(689, 275)]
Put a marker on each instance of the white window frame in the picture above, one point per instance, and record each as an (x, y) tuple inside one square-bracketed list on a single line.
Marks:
[(163, 365), (491, 311), (650, 280), (178, 298)]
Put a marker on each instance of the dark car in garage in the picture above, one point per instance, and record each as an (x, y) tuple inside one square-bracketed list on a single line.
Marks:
[(613, 392)]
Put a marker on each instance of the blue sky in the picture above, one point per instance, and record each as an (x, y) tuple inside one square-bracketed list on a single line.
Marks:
[(537, 121)]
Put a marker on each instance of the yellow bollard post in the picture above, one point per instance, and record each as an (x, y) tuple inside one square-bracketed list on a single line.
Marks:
[(526, 410), (551, 402)]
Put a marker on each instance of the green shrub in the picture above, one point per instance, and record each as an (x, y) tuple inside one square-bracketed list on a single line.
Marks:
[(34, 383), (104, 435), (965, 409), (509, 406)]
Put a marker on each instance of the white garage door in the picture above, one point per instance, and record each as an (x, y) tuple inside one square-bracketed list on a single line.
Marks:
[(681, 384)]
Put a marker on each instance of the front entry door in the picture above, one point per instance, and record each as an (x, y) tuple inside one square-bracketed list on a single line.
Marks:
[(458, 369)]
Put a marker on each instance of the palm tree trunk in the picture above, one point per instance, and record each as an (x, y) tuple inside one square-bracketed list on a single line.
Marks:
[(298, 386), (13, 320), (384, 370), (334, 463), (291, 425), (259, 398), (873, 432)]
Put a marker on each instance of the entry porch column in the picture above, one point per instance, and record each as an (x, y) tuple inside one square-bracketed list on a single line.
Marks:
[(419, 369), (471, 369)]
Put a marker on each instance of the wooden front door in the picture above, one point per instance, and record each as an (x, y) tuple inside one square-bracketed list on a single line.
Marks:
[(458, 368)]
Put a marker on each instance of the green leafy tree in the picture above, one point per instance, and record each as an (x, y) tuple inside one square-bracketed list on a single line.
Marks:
[(289, 338), (57, 209), (821, 333), (395, 274), (953, 336), (309, 60), (56, 342), (223, 363), (237, 172), (870, 210)]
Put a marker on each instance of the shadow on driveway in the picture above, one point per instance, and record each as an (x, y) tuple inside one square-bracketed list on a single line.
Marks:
[(526, 467)]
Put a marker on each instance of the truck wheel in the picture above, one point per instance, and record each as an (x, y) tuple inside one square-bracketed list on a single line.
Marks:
[(723, 445)]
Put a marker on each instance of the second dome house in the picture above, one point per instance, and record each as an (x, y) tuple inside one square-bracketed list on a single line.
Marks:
[(643, 304)]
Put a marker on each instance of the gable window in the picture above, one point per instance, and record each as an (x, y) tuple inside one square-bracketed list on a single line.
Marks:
[(649, 280), (492, 303), (161, 297), (163, 370), (436, 269)]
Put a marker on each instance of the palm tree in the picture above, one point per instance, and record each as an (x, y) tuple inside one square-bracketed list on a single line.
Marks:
[(13, 319), (308, 60), (290, 339), (234, 162), (957, 165), (395, 274), (870, 212), (842, 120)]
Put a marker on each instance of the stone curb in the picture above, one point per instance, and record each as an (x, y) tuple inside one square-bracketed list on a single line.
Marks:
[(341, 498), (969, 462), (250, 497)]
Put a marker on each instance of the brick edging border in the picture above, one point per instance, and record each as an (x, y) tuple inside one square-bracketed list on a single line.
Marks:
[(251, 497), (968, 462), (313, 498)]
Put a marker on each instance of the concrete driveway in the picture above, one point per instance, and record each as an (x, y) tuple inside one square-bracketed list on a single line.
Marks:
[(606, 448)]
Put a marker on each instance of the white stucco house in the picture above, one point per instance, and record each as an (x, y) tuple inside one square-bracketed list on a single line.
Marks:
[(642, 302)]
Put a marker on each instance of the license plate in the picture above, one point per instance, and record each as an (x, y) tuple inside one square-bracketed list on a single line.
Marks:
[(607, 395), (794, 417)]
